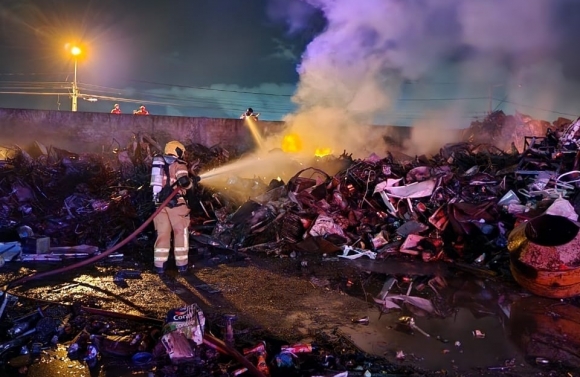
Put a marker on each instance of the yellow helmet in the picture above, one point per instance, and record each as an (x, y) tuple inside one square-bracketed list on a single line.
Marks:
[(174, 148)]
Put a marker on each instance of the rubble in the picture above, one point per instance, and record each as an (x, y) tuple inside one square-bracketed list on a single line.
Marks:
[(464, 206)]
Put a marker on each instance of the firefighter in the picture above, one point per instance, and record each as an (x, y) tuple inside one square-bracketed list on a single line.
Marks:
[(116, 109), (173, 218), (142, 111), (250, 113)]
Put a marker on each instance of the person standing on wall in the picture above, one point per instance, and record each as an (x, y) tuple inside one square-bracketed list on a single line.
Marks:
[(142, 111), (170, 170), (116, 109), (249, 113)]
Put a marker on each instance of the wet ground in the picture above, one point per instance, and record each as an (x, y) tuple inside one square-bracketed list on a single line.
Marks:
[(478, 325)]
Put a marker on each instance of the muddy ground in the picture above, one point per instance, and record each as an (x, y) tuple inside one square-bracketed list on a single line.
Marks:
[(314, 298)]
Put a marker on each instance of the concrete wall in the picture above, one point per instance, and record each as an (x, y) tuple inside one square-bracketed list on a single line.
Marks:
[(94, 132), (91, 132)]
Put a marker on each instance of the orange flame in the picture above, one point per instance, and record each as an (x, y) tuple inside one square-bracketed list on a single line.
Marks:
[(291, 143), (321, 152)]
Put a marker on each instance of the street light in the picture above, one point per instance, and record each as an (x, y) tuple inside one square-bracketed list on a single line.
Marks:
[(75, 52)]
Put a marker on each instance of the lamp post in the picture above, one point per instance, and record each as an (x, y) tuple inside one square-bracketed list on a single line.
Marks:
[(75, 51)]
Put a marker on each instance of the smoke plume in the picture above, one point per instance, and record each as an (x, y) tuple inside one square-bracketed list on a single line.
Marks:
[(428, 64)]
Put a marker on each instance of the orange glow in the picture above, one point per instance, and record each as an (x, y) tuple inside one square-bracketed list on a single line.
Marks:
[(73, 49), (321, 152), (291, 143)]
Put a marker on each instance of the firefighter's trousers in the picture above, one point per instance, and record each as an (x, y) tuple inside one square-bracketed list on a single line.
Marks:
[(170, 220)]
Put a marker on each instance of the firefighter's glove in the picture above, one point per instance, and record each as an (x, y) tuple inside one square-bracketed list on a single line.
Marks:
[(184, 182), (196, 179)]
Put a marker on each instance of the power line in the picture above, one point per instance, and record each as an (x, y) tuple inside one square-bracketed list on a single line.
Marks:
[(441, 99), (35, 74), (35, 93), (223, 104), (535, 107), (212, 89)]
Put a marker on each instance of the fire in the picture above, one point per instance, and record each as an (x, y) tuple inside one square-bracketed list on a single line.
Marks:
[(321, 152), (291, 143)]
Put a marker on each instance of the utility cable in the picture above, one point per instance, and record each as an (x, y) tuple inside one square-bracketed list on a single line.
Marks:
[(212, 89)]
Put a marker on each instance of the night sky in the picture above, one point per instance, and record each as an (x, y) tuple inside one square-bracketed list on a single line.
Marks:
[(333, 62), (152, 51)]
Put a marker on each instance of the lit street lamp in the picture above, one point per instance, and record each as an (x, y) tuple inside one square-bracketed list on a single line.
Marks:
[(75, 52)]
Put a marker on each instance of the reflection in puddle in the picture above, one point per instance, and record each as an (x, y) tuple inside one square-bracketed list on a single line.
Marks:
[(451, 343), (546, 330), (475, 328)]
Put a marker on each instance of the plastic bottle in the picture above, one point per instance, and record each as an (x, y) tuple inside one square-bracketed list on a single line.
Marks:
[(78, 346), (299, 348), (262, 365), (258, 348)]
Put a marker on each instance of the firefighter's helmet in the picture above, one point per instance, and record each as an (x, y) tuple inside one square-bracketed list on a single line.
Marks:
[(174, 148)]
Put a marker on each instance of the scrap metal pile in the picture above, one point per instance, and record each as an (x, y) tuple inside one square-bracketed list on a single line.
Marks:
[(459, 204)]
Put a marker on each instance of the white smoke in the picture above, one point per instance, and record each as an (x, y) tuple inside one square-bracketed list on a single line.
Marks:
[(355, 71)]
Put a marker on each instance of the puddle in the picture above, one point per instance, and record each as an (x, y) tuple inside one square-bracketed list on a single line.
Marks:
[(525, 336), (382, 337)]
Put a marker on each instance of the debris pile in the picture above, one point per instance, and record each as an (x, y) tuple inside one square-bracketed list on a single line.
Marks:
[(91, 338), (457, 205), (481, 204)]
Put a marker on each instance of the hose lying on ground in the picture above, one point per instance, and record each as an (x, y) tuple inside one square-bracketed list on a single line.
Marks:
[(104, 254), (208, 339)]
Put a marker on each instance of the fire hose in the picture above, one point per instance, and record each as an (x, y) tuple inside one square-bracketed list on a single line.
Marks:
[(208, 339), (96, 258)]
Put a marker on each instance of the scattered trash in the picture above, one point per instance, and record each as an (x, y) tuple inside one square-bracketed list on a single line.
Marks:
[(284, 359), (452, 208), (400, 355), (141, 358), (258, 348), (478, 334), (354, 253), (229, 334), (298, 348), (409, 321), (364, 320)]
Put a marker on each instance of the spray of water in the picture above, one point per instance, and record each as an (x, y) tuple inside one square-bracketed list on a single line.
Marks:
[(253, 126), (262, 165)]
